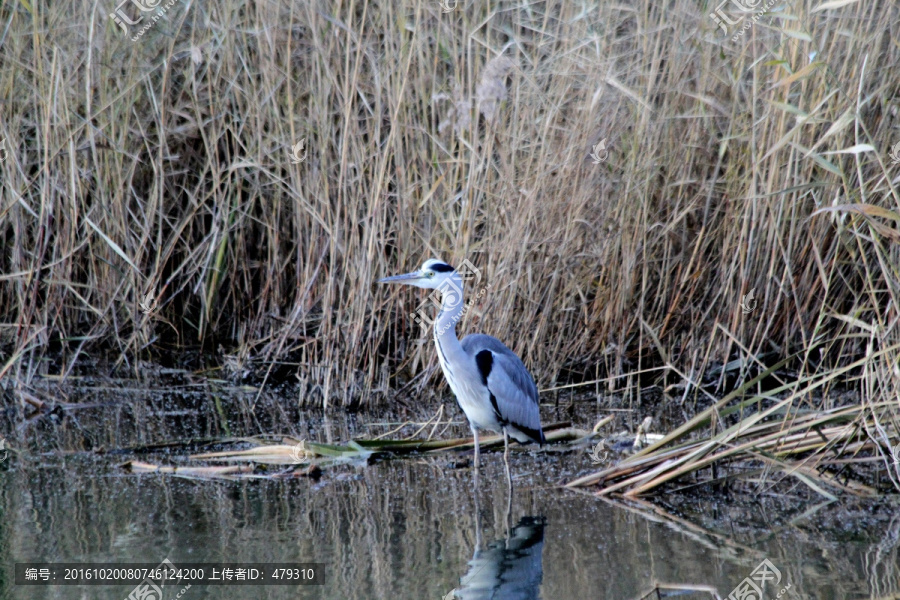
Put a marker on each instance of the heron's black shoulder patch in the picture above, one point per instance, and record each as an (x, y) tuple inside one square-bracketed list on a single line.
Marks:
[(485, 362), (441, 268)]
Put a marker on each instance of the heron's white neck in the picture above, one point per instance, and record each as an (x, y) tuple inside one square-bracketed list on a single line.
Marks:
[(452, 308)]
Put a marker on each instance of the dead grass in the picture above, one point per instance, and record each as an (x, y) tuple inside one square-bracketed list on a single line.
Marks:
[(814, 447), (163, 166)]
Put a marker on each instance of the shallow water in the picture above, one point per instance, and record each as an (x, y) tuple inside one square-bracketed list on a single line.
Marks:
[(412, 528)]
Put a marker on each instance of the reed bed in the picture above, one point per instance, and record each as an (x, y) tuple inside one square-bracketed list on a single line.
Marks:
[(816, 447), (624, 177)]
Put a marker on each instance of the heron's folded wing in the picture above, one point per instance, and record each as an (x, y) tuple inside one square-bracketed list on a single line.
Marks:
[(509, 382), (515, 392)]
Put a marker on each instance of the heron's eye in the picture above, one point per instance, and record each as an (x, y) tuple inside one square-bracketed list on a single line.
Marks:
[(429, 274)]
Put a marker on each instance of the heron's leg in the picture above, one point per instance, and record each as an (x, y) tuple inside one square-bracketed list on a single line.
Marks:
[(475, 435), (508, 510), (506, 456)]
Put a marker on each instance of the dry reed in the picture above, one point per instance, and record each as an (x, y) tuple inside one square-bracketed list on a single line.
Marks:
[(164, 167)]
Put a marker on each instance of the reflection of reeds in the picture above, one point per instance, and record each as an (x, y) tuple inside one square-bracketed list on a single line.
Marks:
[(680, 589), (379, 529), (147, 169), (882, 563)]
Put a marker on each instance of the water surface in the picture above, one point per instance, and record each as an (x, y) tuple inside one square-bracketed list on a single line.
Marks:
[(413, 527)]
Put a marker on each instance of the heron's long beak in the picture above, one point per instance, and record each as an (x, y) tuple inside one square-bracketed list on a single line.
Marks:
[(405, 278)]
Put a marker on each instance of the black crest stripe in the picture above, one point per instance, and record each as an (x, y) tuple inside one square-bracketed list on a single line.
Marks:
[(441, 268)]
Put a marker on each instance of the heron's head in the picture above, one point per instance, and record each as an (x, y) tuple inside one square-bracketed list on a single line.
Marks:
[(430, 275)]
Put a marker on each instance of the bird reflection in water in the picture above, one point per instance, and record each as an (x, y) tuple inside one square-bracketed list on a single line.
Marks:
[(507, 569)]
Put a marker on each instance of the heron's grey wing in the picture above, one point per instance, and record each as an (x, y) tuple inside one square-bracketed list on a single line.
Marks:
[(513, 391)]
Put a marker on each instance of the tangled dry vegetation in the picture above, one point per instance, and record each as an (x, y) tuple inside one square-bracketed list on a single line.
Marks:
[(151, 203)]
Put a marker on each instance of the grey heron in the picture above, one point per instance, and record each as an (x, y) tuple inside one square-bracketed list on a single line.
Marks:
[(508, 569), (492, 386)]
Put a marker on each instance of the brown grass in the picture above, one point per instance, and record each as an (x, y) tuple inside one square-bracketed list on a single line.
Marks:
[(162, 166)]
